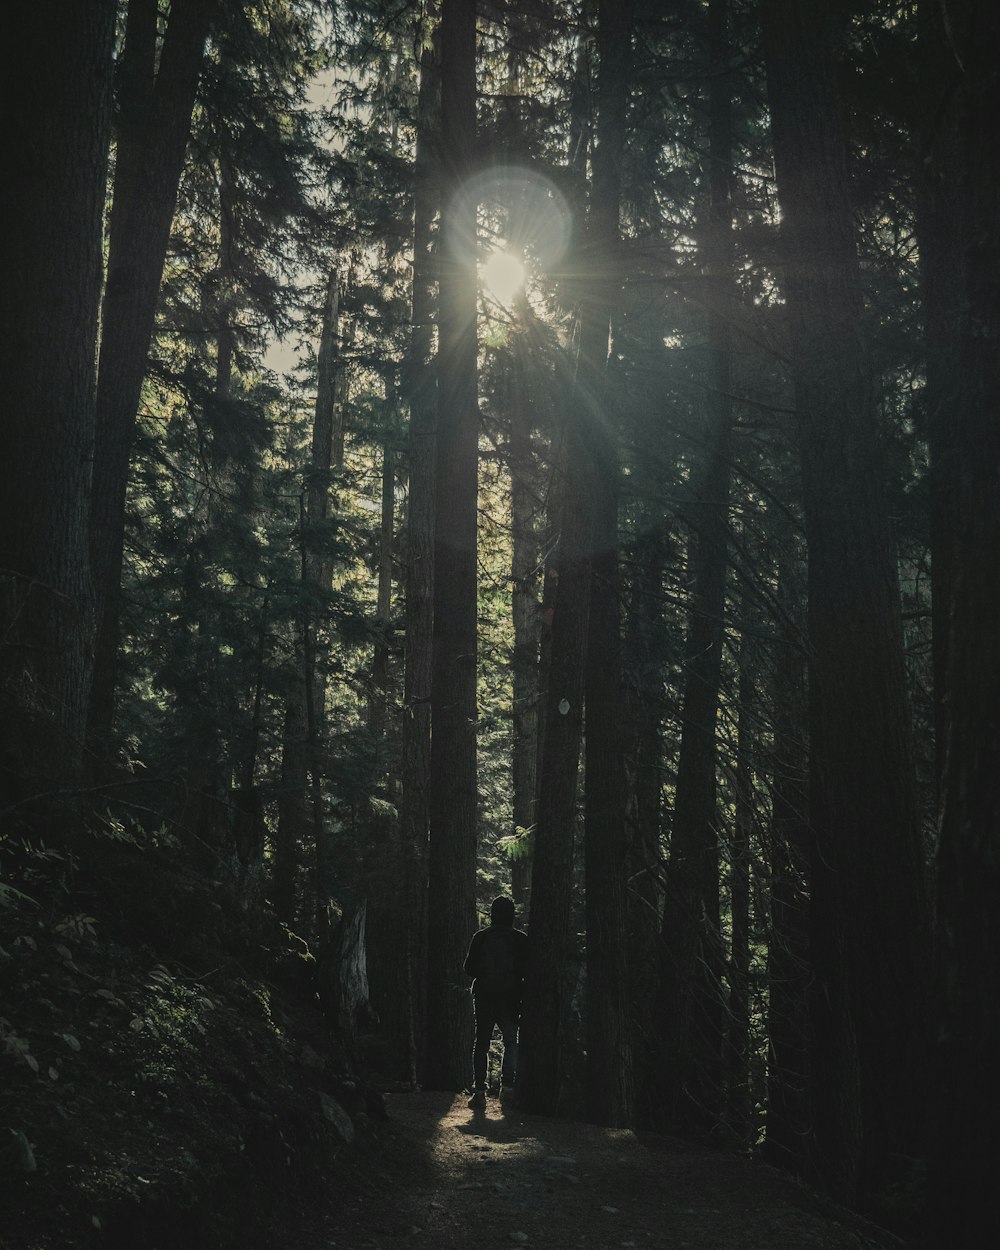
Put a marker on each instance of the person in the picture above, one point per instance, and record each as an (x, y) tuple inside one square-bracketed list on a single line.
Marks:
[(496, 961)]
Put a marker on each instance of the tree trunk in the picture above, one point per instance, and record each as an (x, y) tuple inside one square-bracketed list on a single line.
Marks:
[(867, 876), (317, 572), (939, 215), (225, 336), (59, 69), (788, 972), (550, 979), (644, 661), (548, 983), (293, 818), (419, 613), (610, 1094), (739, 1102), (964, 1212), (379, 697), (453, 793), (382, 880), (690, 1009), (526, 614), (156, 90)]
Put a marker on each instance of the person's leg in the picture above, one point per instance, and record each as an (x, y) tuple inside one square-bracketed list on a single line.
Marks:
[(485, 1019), (508, 1022)]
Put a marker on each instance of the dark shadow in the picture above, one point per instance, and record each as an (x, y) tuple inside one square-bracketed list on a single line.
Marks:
[(493, 1122)]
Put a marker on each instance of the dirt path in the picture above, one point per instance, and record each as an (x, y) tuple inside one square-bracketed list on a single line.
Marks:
[(447, 1178)]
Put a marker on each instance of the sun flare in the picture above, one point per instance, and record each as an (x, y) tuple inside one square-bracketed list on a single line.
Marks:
[(503, 276)]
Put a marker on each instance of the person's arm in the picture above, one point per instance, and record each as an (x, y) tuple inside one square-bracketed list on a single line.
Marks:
[(471, 964)]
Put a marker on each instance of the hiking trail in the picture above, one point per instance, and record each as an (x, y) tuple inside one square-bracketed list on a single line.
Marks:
[(446, 1177)]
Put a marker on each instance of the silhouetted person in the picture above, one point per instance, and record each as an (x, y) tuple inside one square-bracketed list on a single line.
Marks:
[(496, 959)]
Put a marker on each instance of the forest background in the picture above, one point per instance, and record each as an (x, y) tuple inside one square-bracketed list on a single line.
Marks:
[(624, 536)]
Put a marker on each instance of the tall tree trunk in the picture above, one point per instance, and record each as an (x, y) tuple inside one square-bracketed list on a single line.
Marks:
[(379, 698), (690, 1008), (421, 395), (549, 980), (300, 803), (788, 972), (545, 1027), (867, 876), (383, 883), (317, 572), (964, 1212), (60, 113), (525, 611), (644, 651), (225, 337), (325, 454), (939, 215), (739, 1102), (610, 1094), (293, 818), (453, 794), (324, 869), (156, 92)]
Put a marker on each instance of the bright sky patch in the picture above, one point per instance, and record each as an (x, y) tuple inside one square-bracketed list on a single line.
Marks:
[(502, 275)]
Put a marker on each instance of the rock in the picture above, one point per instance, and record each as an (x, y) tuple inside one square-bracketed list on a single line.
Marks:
[(337, 1116)]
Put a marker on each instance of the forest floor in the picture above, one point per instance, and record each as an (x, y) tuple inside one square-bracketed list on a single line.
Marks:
[(452, 1178), (168, 1079)]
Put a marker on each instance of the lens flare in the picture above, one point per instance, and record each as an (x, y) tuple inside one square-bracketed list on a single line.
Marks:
[(502, 275), (528, 211)]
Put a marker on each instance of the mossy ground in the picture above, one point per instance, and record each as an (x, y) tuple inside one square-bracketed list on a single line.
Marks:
[(164, 1061)]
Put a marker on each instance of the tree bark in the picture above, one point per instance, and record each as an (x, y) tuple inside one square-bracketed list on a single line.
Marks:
[(549, 982), (453, 793), (382, 859), (939, 217), (419, 589), (967, 1093), (156, 93), (317, 574), (526, 614), (690, 1009), (293, 819), (59, 69), (867, 876), (300, 803), (644, 660), (610, 1093), (789, 843), (378, 705), (739, 1101)]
